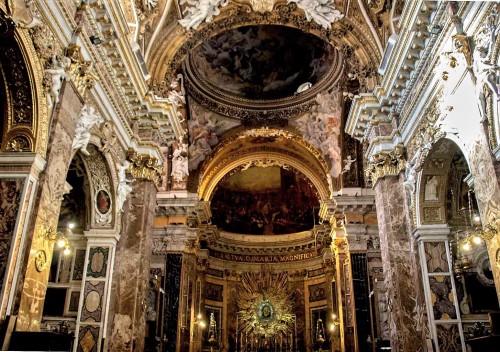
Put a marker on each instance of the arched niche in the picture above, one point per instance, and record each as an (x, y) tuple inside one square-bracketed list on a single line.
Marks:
[(24, 115), (438, 195)]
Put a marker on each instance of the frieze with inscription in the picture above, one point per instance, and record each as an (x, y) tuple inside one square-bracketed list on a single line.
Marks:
[(278, 258)]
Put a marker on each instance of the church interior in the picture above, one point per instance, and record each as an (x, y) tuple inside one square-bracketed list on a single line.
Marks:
[(249, 175)]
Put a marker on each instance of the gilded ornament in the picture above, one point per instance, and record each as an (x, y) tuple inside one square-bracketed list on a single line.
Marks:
[(145, 167), (40, 260)]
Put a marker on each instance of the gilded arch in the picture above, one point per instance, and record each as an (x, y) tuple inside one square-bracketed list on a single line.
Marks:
[(276, 148), (26, 122), (177, 43)]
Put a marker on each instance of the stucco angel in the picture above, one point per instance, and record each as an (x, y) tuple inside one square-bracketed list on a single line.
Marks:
[(321, 11), (199, 11), (87, 119), (58, 73), (124, 188)]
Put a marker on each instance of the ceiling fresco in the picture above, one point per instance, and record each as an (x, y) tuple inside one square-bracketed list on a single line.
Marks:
[(262, 62), (264, 201)]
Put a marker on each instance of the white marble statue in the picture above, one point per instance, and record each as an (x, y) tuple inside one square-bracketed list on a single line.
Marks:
[(151, 4), (348, 164), (410, 180), (88, 118), (180, 170), (321, 11), (58, 73), (124, 188), (199, 11), (485, 71), (177, 97)]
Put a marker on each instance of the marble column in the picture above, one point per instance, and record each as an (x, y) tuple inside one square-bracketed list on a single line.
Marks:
[(127, 317), (19, 174), (38, 250), (94, 294), (400, 263), (440, 288)]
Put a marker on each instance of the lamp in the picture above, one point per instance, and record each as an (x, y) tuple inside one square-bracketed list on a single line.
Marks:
[(335, 322), (199, 321), (61, 239), (475, 233)]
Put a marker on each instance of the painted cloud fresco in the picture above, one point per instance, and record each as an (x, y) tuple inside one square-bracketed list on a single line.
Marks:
[(262, 62)]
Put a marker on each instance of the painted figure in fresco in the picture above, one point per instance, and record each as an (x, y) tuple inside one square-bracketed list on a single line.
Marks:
[(58, 73), (124, 188), (431, 188), (87, 119)]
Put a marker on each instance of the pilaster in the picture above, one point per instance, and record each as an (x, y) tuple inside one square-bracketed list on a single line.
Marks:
[(400, 264), (46, 212), (94, 294), (439, 288), (131, 275)]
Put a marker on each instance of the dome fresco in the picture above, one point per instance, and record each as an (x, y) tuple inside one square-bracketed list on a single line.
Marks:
[(262, 62)]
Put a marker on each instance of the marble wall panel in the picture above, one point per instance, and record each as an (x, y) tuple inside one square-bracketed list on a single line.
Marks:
[(79, 263), (98, 262), (442, 297), (317, 292), (487, 191), (435, 256), (448, 337), (214, 292), (10, 198), (92, 301), (172, 295), (88, 339), (130, 282)]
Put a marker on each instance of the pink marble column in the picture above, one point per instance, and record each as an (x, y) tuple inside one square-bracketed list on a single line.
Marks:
[(127, 315), (401, 268)]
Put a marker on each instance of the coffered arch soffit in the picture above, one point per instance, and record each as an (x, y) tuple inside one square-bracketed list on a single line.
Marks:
[(175, 44), (264, 148)]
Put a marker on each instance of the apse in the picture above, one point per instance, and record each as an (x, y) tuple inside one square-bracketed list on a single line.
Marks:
[(264, 201)]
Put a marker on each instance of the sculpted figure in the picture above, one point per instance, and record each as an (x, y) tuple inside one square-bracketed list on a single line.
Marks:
[(199, 11), (486, 71), (88, 118), (321, 11), (58, 74), (124, 188), (180, 169), (348, 163)]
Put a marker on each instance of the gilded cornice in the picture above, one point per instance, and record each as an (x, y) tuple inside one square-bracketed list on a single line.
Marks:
[(145, 167)]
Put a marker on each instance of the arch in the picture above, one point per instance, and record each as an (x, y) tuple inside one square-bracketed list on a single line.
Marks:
[(235, 154), (102, 180), (433, 181), (175, 46), (27, 128)]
